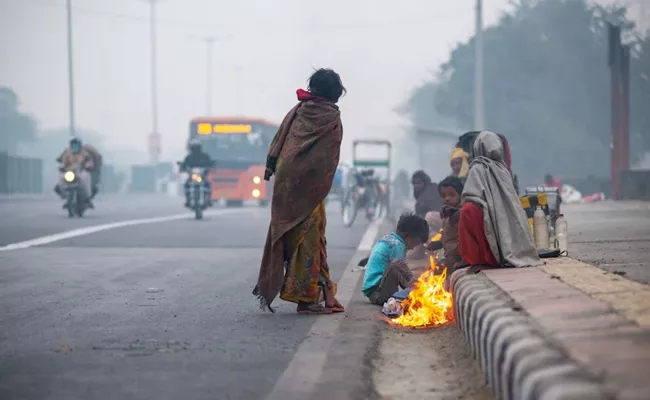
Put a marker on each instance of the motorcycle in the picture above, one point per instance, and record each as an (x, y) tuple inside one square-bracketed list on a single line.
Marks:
[(73, 193), (366, 194), (198, 198)]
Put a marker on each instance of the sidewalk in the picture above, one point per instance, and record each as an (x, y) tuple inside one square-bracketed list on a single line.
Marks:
[(566, 329), (563, 328)]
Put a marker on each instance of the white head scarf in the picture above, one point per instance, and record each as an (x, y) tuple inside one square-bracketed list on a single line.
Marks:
[(489, 185)]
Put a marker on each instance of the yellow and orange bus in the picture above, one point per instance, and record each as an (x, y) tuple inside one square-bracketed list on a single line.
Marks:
[(239, 145)]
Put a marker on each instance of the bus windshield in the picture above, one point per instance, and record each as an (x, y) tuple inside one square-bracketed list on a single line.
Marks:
[(250, 144)]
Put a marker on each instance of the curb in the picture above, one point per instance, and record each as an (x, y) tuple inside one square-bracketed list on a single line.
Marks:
[(519, 361)]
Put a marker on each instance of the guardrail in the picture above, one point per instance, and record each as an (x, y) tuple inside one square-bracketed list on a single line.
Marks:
[(20, 175), (635, 185), (150, 178)]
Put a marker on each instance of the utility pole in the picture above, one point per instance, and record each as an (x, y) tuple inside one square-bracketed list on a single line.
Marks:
[(154, 136), (479, 123), (70, 70), (154, 67), (209, 42), (619, 65), (209, 45)]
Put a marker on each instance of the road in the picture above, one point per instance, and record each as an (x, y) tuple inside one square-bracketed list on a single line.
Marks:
[(159, 310), (614, 236), (163, 308)]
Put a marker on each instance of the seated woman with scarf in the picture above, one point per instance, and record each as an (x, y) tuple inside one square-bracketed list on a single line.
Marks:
[(493, 228), (304, 155)]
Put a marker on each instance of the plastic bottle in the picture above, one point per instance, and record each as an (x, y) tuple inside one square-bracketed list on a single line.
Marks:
[(562, 233), (551, 236), (540, 227)]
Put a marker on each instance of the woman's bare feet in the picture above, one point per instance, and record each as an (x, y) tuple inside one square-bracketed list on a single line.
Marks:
[(330, 301)]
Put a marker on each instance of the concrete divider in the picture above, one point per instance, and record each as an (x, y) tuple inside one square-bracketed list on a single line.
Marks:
[(518, 359)]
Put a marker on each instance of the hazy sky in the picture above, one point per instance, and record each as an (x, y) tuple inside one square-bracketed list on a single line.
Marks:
[(381, 48)]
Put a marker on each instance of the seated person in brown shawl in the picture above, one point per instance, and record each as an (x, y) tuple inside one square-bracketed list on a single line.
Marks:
[(303, 156), (427, 206)]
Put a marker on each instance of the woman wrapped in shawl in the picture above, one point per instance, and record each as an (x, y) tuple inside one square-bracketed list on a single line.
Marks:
[(303, 155), (493, 228)]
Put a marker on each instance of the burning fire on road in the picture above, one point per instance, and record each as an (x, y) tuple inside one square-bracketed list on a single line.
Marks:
[(428, 304)]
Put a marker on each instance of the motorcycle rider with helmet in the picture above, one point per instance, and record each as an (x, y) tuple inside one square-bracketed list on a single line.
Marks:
[(77, 158), (196, 159)]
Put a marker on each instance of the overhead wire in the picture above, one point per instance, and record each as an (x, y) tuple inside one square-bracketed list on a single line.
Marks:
[(275, 27)]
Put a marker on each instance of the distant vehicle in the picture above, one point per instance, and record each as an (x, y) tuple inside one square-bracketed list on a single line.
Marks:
[(73, 192), (367, 191), (199, 194), (366, 194), (239, 145)]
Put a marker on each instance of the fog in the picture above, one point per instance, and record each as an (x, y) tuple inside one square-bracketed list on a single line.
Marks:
[(264, 50), (381, 49)]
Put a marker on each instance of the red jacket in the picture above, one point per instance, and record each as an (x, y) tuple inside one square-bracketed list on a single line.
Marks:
[(474, 247)]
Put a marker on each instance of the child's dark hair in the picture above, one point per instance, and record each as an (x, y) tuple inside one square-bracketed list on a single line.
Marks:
[(413, 225), (453, 182), (326, 83)]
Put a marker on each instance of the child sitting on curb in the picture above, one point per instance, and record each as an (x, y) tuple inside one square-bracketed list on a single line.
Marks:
[(450, 190), (386, 271)]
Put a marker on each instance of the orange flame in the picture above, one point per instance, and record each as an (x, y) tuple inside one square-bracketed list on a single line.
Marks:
[(428, 304), (437, 236)]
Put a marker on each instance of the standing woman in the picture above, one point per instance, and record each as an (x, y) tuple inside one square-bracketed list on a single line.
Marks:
[(303, 155)]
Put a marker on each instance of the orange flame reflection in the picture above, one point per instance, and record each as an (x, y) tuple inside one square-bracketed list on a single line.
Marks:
[(428, 304)]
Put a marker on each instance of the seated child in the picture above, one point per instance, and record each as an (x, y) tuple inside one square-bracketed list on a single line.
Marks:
[(450, 190), (386, 271)]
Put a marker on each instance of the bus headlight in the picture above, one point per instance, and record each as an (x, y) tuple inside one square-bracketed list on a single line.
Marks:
[(257, 180), (256, 193), (69, 176)]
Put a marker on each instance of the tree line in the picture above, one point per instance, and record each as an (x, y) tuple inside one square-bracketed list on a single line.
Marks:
[(546, 87)]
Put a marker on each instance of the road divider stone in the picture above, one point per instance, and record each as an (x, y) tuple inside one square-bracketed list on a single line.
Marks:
[(539, 337)]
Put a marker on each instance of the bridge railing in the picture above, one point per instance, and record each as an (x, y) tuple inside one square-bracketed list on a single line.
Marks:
[(20, 175)]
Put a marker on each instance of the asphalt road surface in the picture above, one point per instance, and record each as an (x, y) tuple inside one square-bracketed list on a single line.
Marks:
[(159, 310), (614, 236), (162, 308)]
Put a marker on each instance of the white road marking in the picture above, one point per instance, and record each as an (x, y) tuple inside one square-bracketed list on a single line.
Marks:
[(100, 228), (370, 236), (299, 380)]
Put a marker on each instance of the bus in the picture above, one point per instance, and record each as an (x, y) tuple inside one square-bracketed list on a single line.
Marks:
[(239, 145)]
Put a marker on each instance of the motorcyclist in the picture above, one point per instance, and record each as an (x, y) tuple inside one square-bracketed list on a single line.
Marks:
[(196, 159), (75, 157)]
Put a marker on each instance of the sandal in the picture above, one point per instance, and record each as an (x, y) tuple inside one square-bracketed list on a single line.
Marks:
[(330, 301), (312, 309)]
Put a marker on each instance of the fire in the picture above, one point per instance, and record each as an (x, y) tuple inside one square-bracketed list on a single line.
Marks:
[(437, 236), (428, 304)]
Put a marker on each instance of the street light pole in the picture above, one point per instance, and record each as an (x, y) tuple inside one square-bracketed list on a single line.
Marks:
[(209, 46), (154, 71), (209, 41), (70, 70), (479, 123)]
